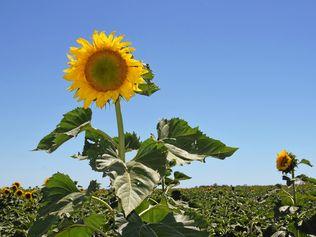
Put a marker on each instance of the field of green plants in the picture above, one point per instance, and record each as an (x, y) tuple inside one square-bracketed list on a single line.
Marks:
[(221, 210), (144, 199)]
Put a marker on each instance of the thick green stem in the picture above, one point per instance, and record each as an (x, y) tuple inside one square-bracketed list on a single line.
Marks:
[(294, 196), (293, 187), (120, 129)]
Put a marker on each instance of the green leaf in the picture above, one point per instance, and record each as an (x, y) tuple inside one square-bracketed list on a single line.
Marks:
[(135, 180), (149, 76), (41, 226), (171, 227), (137, 228), (132, 141), (76, 231), (306, 162), (94, 221), (186, 144), (155, 213), (132, 182), (308, 226), (93, 186), (149, 87), (152, 154), (70, 126), (307, 179), (60, 195), (167, 227), (180, 176), (97, 143)]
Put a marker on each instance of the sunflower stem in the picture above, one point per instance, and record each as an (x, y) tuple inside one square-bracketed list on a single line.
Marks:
[(293, 187), (120, 129), (104, 203)]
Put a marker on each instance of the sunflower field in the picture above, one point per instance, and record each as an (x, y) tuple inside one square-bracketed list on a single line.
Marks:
[(144, 198)]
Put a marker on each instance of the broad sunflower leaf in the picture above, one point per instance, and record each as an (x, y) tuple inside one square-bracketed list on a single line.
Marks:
[(60, 197), (41, 226), (167, 227), (135, 180), (137, 228), (75, 231), (307, 179), (97, 144), (60, 194), (152, 154), (308, 225), (94, 221), (172, 225), (149, 87), (70, 126), (186, 144), (132, 141), (91, 224), (132, 182), (155, 213)]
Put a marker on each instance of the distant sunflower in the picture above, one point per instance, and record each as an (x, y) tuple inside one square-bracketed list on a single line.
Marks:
[(28, 195), (19, 193), (14, 187), (103, 70), (283, 161), (6, 191), (17, 184)]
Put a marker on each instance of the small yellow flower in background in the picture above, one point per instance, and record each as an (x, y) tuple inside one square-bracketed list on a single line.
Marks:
[(104, 69), (17, 184), (19, 193), (283, 161), (28, 195)]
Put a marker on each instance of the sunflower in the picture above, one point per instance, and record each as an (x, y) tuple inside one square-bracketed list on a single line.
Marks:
[(6, 191), (283, 161), (14, 187), (17, 184), (19, 193), (28, 195), (103, 70)]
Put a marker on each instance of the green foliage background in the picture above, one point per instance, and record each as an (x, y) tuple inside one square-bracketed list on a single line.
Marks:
[(223, 210)]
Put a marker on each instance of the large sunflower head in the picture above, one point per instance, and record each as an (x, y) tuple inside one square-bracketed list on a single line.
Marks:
[(104, 69), (284, 161)]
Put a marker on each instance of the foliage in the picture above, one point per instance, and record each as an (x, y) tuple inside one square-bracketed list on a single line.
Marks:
[(222, 210), (292, 203), (132, 181)]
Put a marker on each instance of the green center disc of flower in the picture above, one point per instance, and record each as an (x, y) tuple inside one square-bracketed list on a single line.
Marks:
[(106, 70)]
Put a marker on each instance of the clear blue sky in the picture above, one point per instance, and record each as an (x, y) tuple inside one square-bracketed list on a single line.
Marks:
[(244, 71)]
